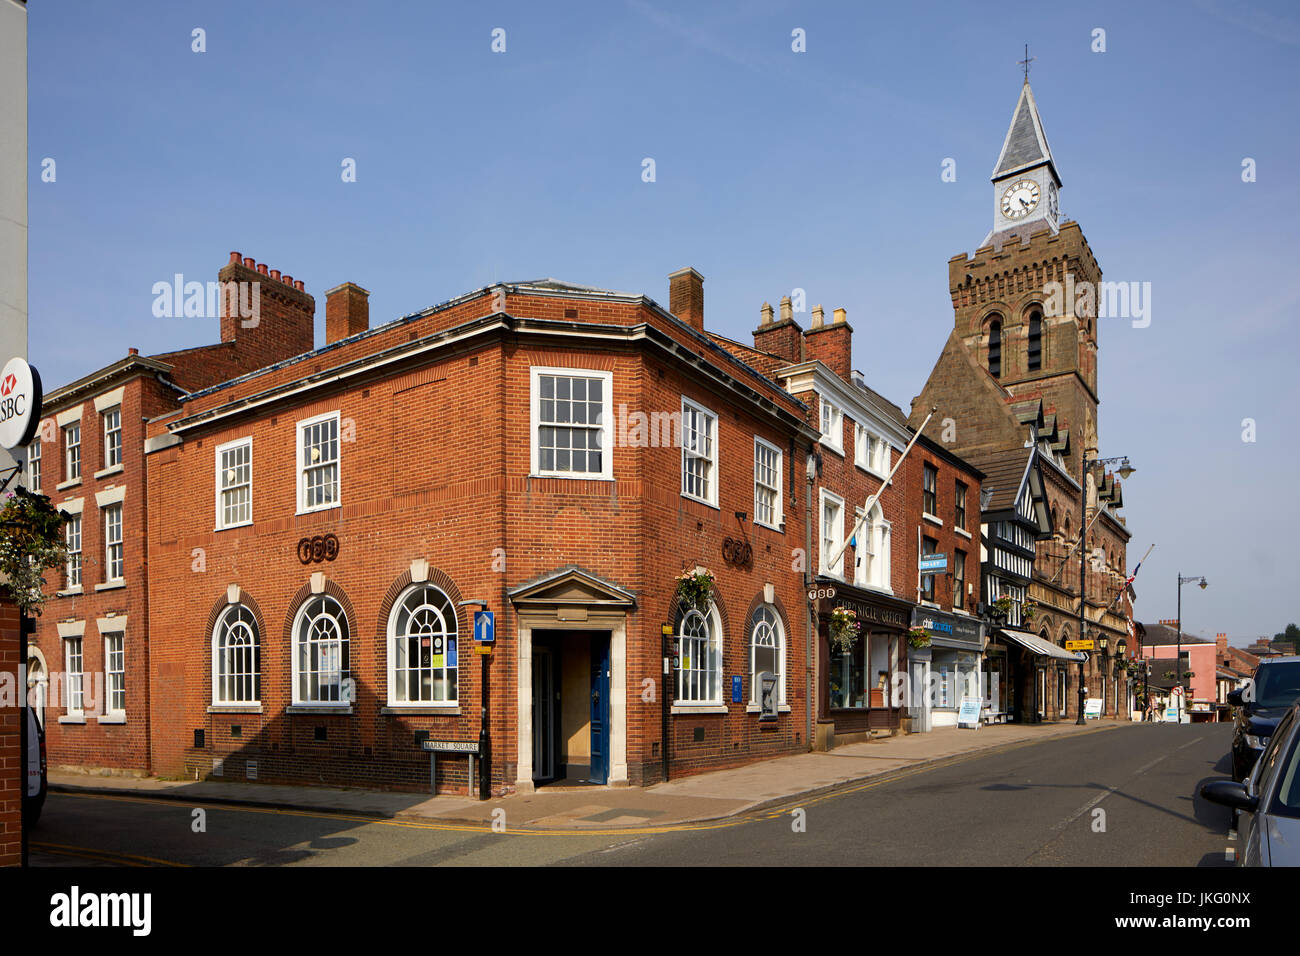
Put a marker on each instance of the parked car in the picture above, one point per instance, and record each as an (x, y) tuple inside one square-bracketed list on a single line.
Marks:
[(34, 799), (1269, 801), (1273, 688)]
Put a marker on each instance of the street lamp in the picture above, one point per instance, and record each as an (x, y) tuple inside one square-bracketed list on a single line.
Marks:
[(1178, 661), (1125, 469)]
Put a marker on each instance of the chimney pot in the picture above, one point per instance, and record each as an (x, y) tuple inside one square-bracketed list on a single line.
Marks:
[(132, 351), (250, 262), (298, 285), (818, 317), (840, 316), (287, 280), (686, 297), (261, 268), (787, 311), (275, 274), (766, 313), (234, 258)]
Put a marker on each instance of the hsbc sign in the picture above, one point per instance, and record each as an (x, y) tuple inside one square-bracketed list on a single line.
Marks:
[(20, 403)]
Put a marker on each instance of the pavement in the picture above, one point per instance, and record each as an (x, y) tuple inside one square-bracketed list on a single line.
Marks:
[(692, 799)]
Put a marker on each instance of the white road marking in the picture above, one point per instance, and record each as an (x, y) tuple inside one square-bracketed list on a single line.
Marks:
[(1109, 790)]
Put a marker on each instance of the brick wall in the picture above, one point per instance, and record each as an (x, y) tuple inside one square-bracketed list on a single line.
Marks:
[(11, 781)]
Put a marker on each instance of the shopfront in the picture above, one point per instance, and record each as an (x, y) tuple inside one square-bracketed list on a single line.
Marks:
[(1019, 665), (957, 644), (864, 685)]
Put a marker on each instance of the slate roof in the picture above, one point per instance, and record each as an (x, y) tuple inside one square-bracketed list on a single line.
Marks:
[(1160, 635), (1026, 143), (1003, 474)]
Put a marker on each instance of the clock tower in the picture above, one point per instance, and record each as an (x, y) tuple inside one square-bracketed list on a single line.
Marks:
[(1026, 184)]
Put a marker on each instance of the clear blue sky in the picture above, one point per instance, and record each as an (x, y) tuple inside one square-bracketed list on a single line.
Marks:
[(775, 170)]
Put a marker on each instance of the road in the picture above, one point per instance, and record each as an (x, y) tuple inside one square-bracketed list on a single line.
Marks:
[(1122, 798)]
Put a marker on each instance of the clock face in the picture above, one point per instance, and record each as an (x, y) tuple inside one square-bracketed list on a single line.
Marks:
[(1020, 199), (1052, 208)]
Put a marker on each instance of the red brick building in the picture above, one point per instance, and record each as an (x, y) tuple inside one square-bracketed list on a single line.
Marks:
[(318, 528), (90, 654)]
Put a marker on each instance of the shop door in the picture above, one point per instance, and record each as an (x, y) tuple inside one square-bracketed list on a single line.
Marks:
[(599, 710), (919, 708)]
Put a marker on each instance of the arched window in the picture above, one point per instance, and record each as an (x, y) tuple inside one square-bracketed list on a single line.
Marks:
[(321, 659), (699, 652), (422, 650), (1035, 341), (766, 651), (995, 348), (872, 550), (236, 658)]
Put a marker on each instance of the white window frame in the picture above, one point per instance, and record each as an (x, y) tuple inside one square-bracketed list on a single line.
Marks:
[(222, 679), (343, 641), (110, 543), (110, 673), (69, 446), (34, 464), (73, 553), (300, 454), (448, 619), (778, 512), (878, 536), (605, 425), (74, 677), (868, 448), (221, 490), (690, 454), (837, 542), (778, 632), (109, 433), (713, 625), (832, 432)]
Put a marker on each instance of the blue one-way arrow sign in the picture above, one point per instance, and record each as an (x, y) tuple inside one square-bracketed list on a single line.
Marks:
[(484, 627)]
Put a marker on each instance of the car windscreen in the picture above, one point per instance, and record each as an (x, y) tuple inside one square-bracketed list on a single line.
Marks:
[(1277, 685), (1286, 800)]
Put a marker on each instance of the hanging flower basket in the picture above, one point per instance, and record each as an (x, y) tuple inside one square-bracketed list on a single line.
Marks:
[(695, 589), (1003, 605), (844, 629), (31, 541), (918, 637), (1027, 611)]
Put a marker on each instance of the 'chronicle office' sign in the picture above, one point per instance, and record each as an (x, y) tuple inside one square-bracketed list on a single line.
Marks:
[(20, 403)]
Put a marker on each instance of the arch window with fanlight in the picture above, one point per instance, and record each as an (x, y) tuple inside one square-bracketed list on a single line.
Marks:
[(423, 653)]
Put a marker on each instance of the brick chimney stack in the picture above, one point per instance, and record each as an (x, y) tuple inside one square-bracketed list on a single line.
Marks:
[(347, 311), (282, 315), (783, 338), (686, 297), (832, 343)]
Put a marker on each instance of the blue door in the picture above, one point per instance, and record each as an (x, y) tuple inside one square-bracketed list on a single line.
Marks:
[(599, 710)]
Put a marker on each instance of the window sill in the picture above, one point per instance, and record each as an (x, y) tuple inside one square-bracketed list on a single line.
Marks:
[(963, 532), (568, 476), (234, 708), (71, 483), (231, 527), (701, 501), (110, 585), (318, 709), (70, 592), (418, 710), (871, 471), (110, 470), (778, 528), (756, 709), (72, 719), (318, 509), (838, 449), (111, 719), (699, 708), (933, 519)]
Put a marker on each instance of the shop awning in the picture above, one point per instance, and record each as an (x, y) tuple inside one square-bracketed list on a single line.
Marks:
[(1036, 645)]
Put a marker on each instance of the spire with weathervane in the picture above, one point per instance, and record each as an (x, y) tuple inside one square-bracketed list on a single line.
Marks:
[(1025, 180)]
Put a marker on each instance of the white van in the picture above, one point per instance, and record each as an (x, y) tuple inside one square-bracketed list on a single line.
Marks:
[(34, 799)]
